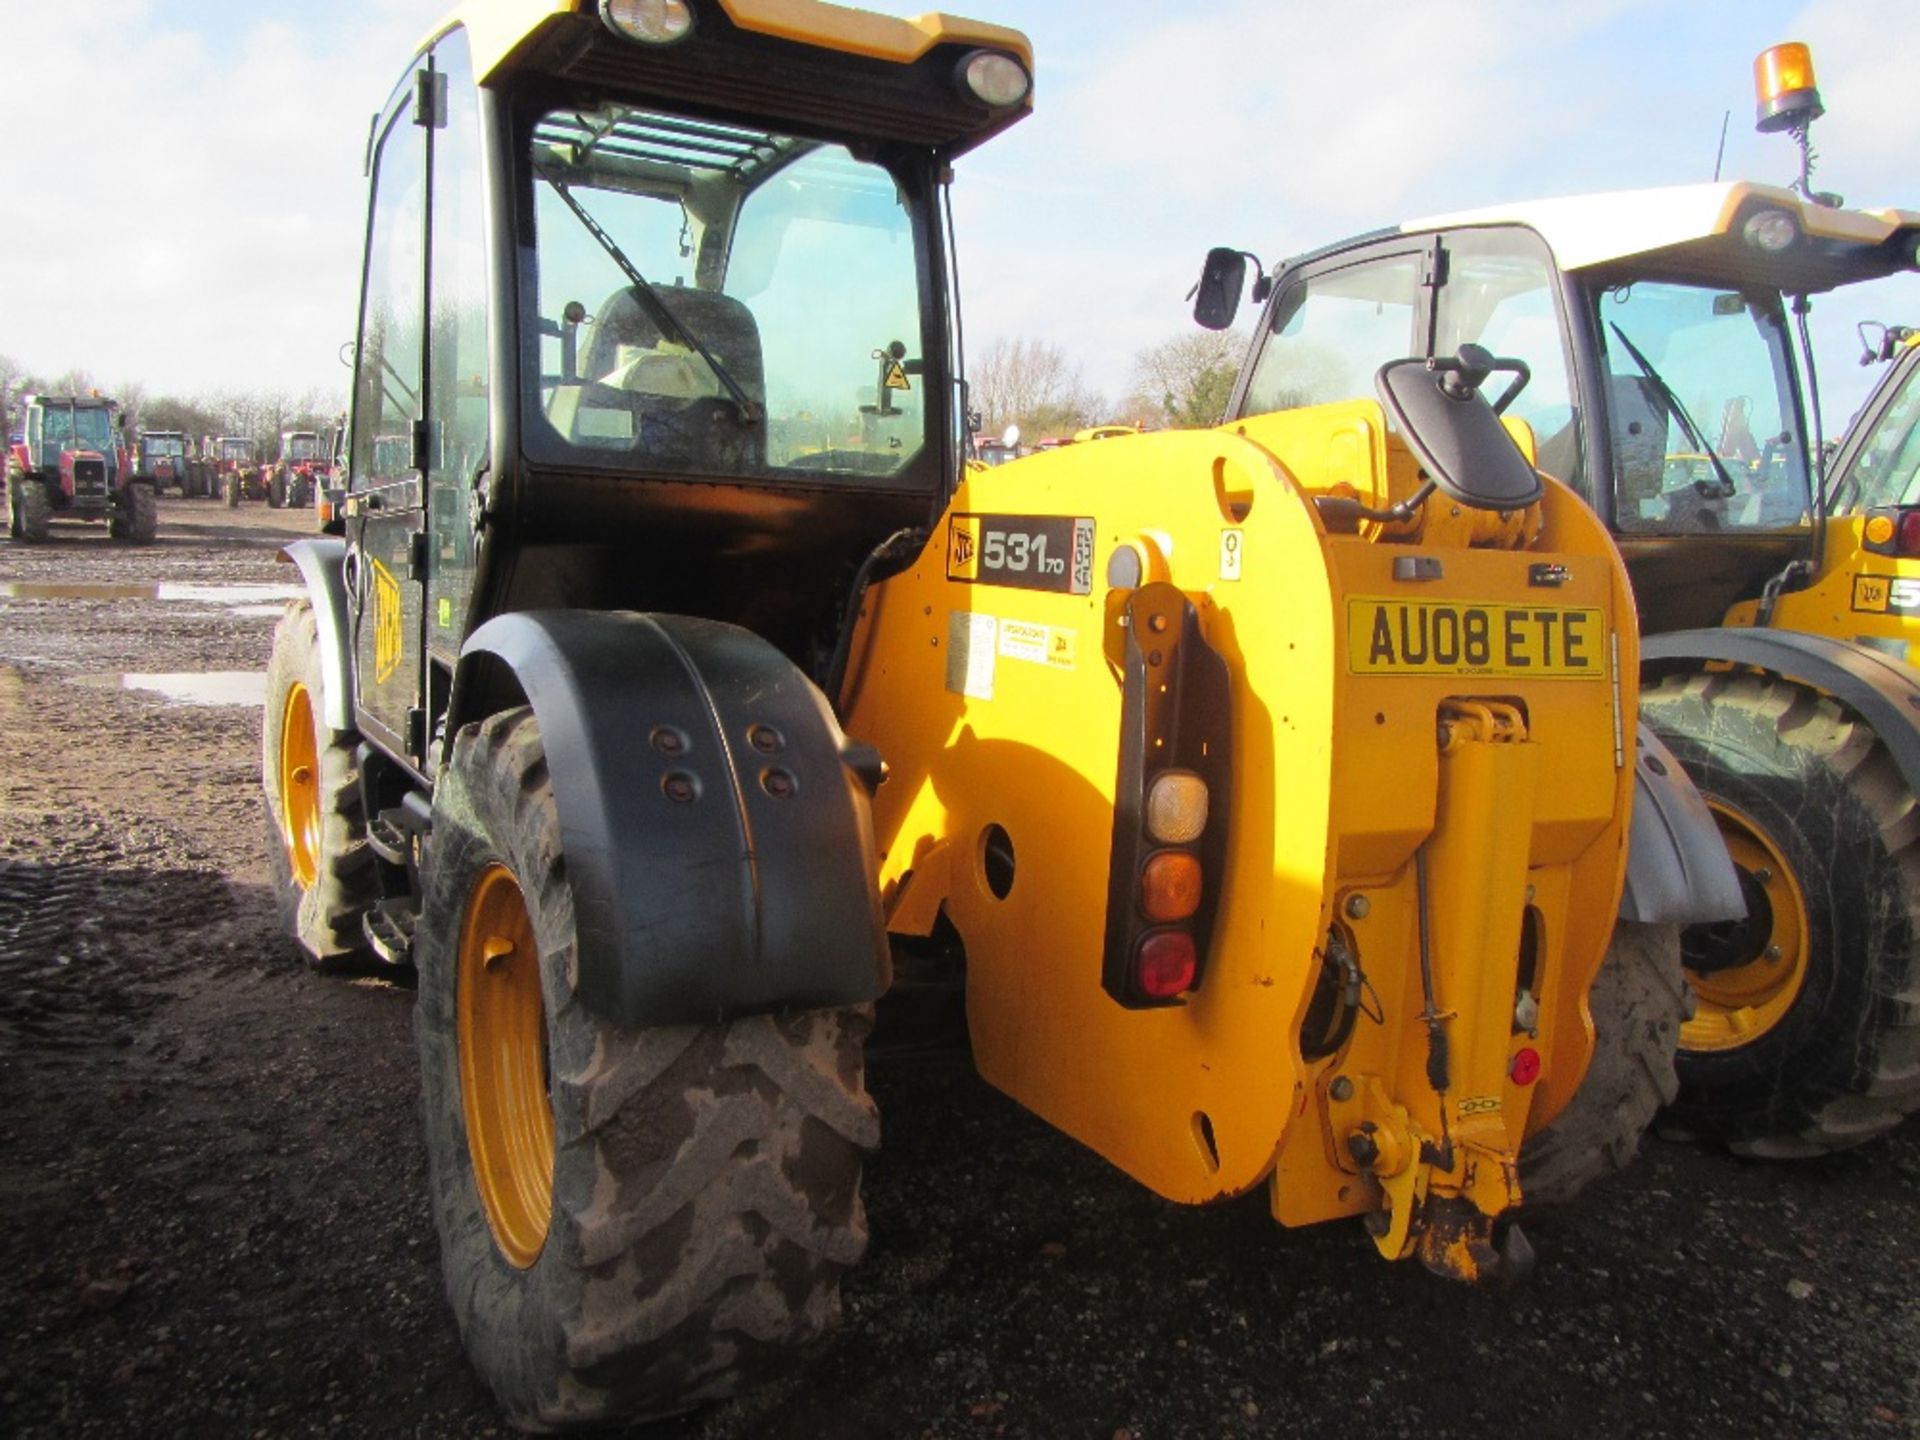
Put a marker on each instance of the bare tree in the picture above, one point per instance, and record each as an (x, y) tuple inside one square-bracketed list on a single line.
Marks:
[(1032, 384), (1190, 376)]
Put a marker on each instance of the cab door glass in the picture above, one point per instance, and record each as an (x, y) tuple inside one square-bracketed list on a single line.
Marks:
[(1332, 331), (387, 401), (1500, 294), (1886, 470), (1700, 399), (457, 387)]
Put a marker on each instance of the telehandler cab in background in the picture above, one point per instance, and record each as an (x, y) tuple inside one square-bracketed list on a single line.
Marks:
[(1673, 388), (1271, 788)]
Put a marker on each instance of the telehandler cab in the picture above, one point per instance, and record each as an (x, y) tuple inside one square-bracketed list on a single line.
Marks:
[(1673, 388), (1272, 787)]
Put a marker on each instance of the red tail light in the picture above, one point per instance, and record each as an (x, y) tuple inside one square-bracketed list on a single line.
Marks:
[(1526, 1066), (1907, 535), (1167, 964)]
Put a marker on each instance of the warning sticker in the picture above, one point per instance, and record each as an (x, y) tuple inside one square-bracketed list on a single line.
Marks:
[(970, 640), (1036, 644), (896, 378), (1231, 544)]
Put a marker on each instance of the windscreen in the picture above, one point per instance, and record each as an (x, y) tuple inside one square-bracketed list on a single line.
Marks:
[(71, 427), (303, 447), (164, 446), (236, 449), (725, 302), (1705, 432)]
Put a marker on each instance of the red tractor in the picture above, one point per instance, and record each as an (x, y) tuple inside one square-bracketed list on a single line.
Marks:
[(72, 464), (235, 467), (298, 472)]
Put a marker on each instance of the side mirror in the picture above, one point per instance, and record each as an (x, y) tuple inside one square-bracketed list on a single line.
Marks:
[(1217, 296), (1454, 433)]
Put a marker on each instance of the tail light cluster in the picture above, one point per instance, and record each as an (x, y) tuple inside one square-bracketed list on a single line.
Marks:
[(1170, 803), (1893, 530)]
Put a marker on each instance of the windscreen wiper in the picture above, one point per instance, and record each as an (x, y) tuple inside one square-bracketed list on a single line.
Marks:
[(750, 411), (1675, 409)]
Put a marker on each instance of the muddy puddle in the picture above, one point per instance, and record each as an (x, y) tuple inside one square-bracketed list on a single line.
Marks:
[(247, 599)]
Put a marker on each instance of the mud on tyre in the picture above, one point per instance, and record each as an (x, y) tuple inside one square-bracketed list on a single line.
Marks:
[(632, 1222), (1806, 1037), (324, 873), (1638, 1001)]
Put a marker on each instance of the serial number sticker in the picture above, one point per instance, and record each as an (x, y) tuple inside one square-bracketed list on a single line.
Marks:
[(970, 647), (1886, 595), (1415, 637), (1026, 552)]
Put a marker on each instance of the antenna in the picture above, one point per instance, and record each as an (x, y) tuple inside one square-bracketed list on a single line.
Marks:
[(1721, 153)]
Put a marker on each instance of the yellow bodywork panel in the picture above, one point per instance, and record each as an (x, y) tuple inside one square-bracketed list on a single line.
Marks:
[(1482, 745), (1856, 596)]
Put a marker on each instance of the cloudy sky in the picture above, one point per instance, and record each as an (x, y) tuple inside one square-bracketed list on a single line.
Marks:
[(193, 223)]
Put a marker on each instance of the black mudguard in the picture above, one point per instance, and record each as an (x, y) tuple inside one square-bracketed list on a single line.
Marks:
[(1678, 870), (1879, 689), (715, 819), (322, 563)]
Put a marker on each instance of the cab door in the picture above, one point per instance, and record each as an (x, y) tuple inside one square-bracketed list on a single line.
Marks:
[(388, 443)]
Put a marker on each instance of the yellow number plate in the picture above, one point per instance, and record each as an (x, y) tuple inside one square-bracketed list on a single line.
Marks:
[(1418, 637)]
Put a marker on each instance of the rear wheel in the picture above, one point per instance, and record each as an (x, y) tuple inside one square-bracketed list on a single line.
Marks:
[(324, 874), (232, 488), (277, 491), (632, 1221), (29, 513), (1638, 1002), (1806, 1035)]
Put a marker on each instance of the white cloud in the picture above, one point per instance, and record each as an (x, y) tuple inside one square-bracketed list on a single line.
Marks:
[(194, 223)]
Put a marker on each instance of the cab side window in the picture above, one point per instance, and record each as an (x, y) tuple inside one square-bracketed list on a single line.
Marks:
[(393, 312)]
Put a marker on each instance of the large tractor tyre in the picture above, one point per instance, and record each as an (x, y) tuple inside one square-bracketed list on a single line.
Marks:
[(1806, 1033), (1638, 1001), (325, 876), (632, 1222), (232, 489), (299, 493), (139, 520), (277, 491), (29, 512)]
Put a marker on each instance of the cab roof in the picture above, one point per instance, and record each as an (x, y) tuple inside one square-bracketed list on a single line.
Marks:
[(566, 38), (1695, 231)]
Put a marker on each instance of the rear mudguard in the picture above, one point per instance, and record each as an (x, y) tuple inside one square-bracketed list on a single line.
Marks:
[(322, 564), (1879, 689), (715, 818), (1678, 871)]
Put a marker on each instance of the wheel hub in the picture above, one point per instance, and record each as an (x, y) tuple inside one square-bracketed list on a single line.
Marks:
[(503, 1065), (1747, 975), (299, 789)]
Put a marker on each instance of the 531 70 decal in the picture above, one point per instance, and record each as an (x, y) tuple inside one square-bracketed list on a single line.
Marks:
[(1024, 552)]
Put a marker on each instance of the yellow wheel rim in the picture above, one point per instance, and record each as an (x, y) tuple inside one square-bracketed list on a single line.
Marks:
[(1738, 1004), (299, 784), (503, 1065)]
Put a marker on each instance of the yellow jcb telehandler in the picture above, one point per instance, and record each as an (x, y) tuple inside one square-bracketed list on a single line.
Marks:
[(1272, 788), (1673, 387)]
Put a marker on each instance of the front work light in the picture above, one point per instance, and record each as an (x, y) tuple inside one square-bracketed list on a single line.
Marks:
[(998, 80), (652, 22), (1771, 230), (1783, 88)]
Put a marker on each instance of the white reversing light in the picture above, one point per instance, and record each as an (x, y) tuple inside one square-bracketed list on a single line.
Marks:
[(653, 22), (999, 80), (1176, 807)]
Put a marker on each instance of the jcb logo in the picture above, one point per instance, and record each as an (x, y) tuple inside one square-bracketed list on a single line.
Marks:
[(387, 631), (963, 556), (1869, 592)]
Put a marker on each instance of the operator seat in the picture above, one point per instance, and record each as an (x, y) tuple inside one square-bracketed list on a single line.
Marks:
[(679, 410)]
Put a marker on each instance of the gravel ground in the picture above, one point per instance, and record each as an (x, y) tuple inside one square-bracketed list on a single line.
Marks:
[(212, 1192)]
